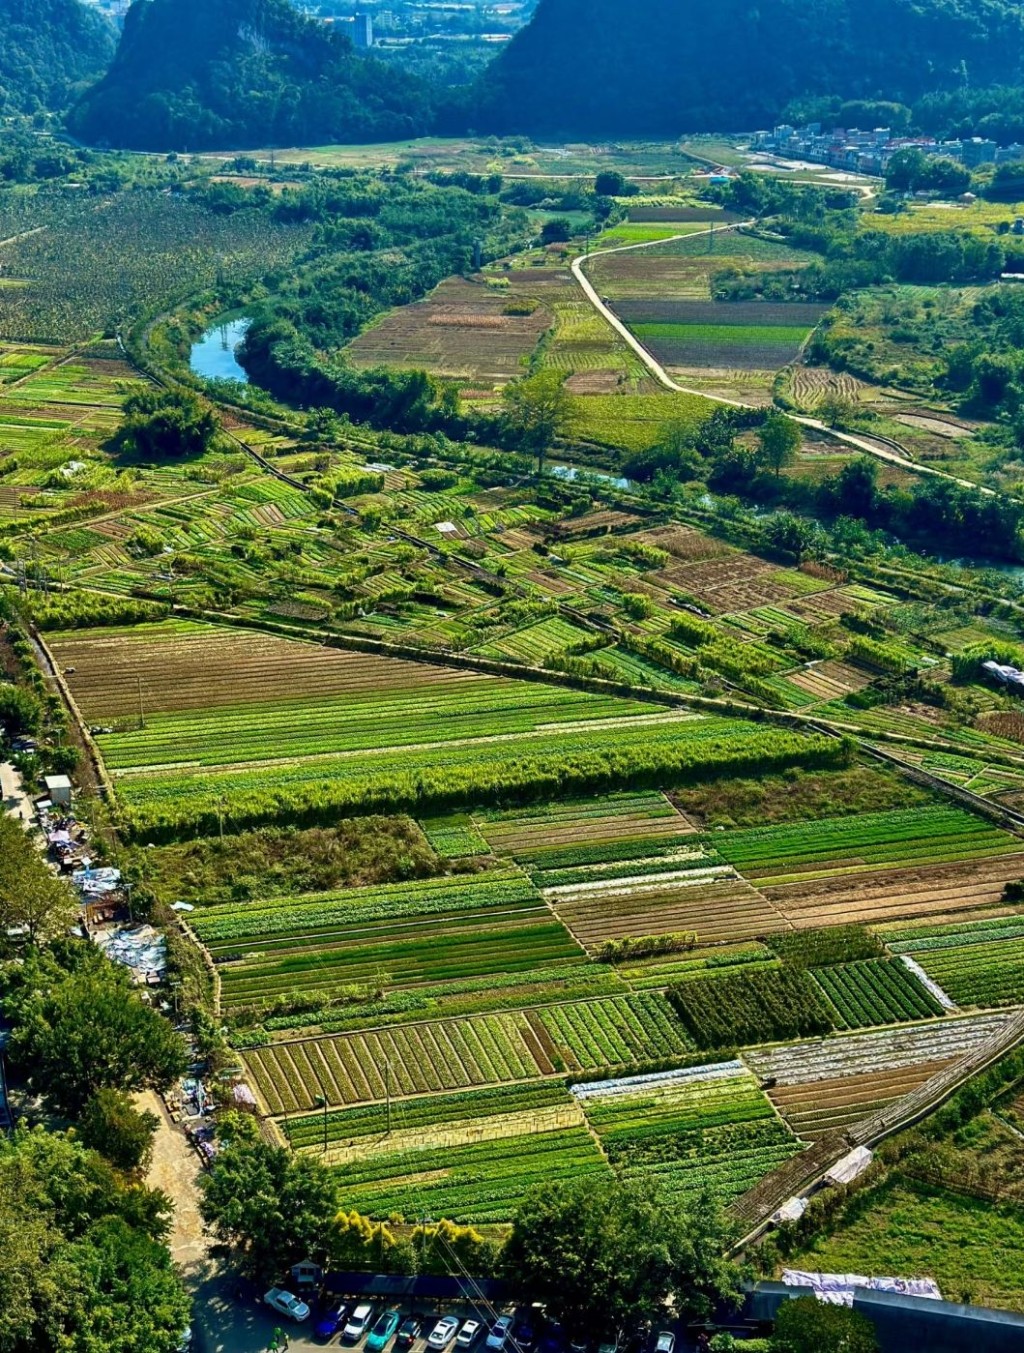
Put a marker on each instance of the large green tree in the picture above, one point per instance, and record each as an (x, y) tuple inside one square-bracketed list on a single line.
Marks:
[(32, 900), (538, 410), (82, 1265), (85, 1028), (273, 1207), (602, 1254), (778, 440), (808, 1325), (166, 425)]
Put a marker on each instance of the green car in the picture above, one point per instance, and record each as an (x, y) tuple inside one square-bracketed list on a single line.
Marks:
[(383, 1332)]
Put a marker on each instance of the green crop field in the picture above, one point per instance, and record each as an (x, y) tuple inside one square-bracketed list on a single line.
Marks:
[(975, 963), (875, 991), (712, 1128)]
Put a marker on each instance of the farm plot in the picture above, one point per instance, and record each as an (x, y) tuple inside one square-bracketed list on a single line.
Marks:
[(476, 1182), (828, 1059), (713, 903), (362, 1128), (567, 756), (454, 837), (894, 894), (737, 582), (555, 835), (430, 930), (751, 1007), (755, 336), (813, 1108), (465, 329), (587, 1035), (977, 963), (705, 1127), (860, 843), (426, 1058), (831, 680), (875, 991)]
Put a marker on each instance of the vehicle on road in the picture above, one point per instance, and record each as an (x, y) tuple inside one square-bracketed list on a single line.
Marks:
[(468, 1335), (329, 1321), (284, 1303), (358, 1323), (501, 1332), (666, 1342), (443, 1332), (383, 1332), (409, 1331)]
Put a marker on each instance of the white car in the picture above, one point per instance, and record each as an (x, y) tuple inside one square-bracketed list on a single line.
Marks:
[(468, 1335), (443, 1332), (285, 1304), (358, 1322), (666, 1342), (501, 1332)]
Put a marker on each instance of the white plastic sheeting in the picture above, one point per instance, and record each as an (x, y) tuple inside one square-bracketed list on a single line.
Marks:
[(838, 1288), (928, 982), (851, 1165), (710, 1072)]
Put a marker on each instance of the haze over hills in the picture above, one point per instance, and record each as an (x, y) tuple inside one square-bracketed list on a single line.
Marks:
[(592, 67), (195, 74), (49, 51)]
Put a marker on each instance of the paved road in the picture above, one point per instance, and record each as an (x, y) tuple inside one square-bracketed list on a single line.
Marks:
[(13, 799), (664, 379)]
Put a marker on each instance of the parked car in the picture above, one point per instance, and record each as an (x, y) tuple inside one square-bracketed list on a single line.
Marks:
[(329, 1321), (358, 1323), (666, 1342), (383, 1332), (185, 1342), (443, 1332), (284, 1303), (553, 1338), (609, 1344), (409, 1331), (524, 1334), (501, 1332), (468, 1335)]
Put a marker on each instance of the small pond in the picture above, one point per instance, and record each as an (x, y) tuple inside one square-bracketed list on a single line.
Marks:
[(213, 356)]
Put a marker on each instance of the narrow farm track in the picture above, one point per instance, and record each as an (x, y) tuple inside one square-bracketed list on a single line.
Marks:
[(753, 1211), (869, 447)]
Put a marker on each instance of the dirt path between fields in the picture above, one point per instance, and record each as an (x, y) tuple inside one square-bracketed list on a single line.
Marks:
[(858, 443)]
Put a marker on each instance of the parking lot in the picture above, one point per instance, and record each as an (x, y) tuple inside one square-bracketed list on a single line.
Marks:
[(230, 1322)]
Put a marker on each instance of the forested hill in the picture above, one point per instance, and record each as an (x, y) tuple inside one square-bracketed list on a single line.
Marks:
[(49, 50), (195, 74), (596, 67)]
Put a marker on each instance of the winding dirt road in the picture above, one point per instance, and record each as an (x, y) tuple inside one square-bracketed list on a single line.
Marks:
[(664, 379)]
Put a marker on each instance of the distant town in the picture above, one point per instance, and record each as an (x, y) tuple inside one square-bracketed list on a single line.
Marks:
[(869, 152)]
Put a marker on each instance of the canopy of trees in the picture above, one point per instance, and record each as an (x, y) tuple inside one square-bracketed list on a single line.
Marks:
[(604, 1255), (50, 50), (80, 1026), (166, 425), (192, 75), (82, 1263), (589, 67)]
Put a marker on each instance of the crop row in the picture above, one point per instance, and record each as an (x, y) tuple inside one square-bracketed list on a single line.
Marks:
[(371, 1120), (419, 1059), (320, 912), (617, 1031), (875, 991), (482, 1182), (675, 1107)]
